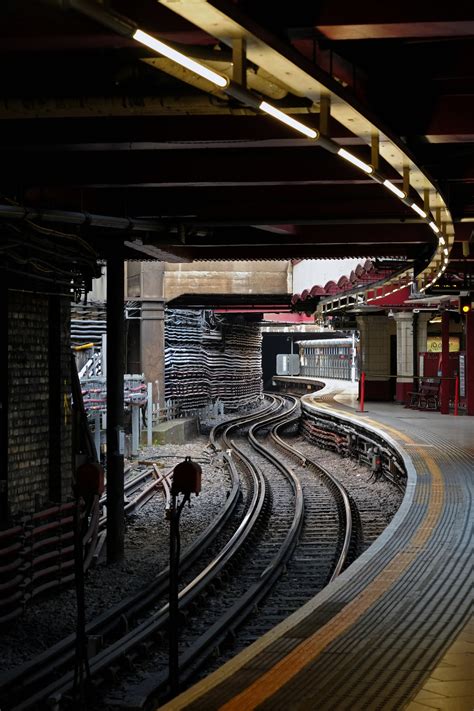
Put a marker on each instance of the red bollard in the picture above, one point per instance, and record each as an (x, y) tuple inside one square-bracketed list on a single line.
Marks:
[(362, 391), (456, 395)]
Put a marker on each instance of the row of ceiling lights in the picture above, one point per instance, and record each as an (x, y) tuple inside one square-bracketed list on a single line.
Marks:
[(247, 97), (250, 99)]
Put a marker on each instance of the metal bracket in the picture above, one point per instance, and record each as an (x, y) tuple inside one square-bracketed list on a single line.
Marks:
[(239, 61)]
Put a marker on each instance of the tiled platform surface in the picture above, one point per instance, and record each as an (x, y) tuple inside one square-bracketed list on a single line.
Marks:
[(395, 630)]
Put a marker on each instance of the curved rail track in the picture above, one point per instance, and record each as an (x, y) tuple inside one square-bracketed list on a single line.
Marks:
[(43, 677), (281, 520)]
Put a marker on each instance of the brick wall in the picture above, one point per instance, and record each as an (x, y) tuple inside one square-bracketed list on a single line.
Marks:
[(28, 409)]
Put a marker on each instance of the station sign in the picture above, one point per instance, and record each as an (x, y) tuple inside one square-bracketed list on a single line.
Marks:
[(434, 344)]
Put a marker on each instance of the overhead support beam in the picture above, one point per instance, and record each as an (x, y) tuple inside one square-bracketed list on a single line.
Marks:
[(239, 61), (209, 166), (450, 120), (153, 130), (119, 106), (302, 251), (390, 29), (325, 234), (18, 212), (159, 253), (426, 200), (406, 179), (375, 150), (324, 113)]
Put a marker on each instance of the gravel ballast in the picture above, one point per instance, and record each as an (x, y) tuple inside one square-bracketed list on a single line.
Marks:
[(46, 621)]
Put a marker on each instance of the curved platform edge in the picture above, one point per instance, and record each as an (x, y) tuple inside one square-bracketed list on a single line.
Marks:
[(195, 696)]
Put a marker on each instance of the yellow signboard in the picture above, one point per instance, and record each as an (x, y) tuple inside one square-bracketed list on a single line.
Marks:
[(433, 344)]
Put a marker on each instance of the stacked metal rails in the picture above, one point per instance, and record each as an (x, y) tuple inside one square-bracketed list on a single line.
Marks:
[(209, 358), (88, 323)]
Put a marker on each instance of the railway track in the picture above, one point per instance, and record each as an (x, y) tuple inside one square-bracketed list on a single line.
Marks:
[(44, 679), (138, 490), (287, 528), (18, 682), (231, 602), (330, 538)]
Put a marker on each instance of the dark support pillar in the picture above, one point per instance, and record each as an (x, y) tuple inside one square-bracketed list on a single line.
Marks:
[(153, 348), (4, 505), (55, 414), (469, 324), (444, 394), (415, 352), (152, 336), (115, 438)]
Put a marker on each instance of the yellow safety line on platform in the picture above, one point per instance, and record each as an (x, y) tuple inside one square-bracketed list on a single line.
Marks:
[(287, 668)]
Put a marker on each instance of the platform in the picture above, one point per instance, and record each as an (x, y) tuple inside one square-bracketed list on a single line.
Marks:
[(394, 631)]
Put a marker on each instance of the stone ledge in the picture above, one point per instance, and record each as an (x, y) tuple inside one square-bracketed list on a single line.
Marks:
[(173, 431)]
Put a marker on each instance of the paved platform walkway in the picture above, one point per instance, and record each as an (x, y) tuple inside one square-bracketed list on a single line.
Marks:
[(394, 631), (450, 684)]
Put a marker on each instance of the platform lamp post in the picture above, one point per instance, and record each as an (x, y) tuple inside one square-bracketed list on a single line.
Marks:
[(186, 481)]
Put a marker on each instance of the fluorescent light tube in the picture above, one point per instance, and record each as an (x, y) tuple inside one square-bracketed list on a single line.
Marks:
[(180, 58), (355, 161), (399, 193), (434, 226), (441, 240), (284, 118), (445, 250), (417, 209)]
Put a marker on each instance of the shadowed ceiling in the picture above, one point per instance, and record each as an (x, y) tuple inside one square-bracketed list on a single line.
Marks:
[(94, 124)]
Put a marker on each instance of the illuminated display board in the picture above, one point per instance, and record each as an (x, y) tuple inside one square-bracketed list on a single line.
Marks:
[(433, 344)]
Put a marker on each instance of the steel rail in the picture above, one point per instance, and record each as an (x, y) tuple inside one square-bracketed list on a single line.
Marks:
[(343, 499), (33, 672), (142, 632), (244, 605), (235, 616), (239, 422), (150, 627)]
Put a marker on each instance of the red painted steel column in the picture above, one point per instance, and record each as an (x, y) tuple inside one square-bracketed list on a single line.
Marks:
[(362, 391), (469, 323), (444, 392), (456, 395)]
